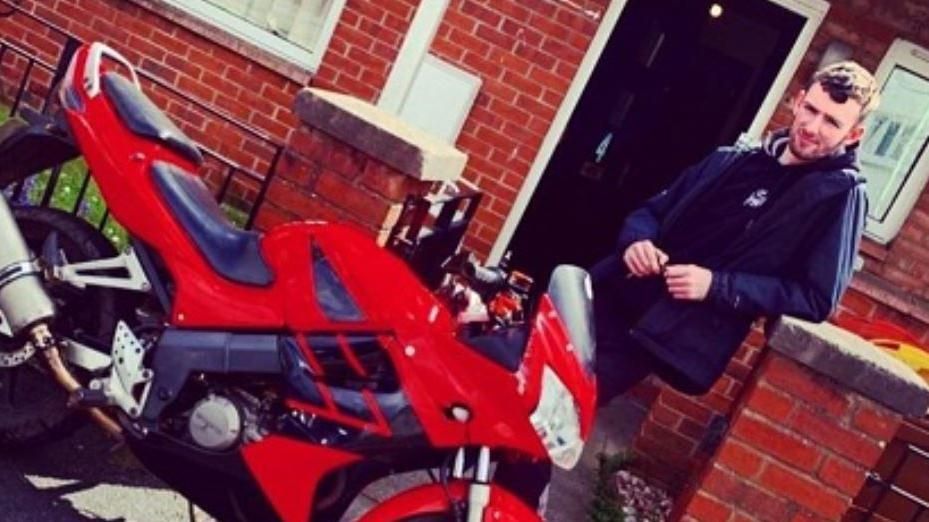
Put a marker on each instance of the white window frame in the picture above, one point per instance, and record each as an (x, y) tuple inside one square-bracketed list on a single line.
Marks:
[(262, 38), (915, 59)]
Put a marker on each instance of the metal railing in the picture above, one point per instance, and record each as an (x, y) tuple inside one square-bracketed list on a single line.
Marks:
[(240, 189), (889, 494)]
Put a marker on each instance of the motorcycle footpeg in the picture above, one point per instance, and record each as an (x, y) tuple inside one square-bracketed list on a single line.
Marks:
[(88, 398)]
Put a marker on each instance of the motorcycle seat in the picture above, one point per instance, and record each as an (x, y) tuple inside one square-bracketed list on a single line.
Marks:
[(233, 253), (145, 119)]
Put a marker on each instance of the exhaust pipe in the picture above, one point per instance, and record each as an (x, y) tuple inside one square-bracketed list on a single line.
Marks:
[(42, 338), (26, 306), (23, 300)]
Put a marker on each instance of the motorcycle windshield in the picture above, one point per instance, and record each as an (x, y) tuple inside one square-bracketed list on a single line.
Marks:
[(571, 294)]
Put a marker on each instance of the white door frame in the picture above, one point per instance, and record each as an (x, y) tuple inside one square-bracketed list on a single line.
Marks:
[(813, 10)]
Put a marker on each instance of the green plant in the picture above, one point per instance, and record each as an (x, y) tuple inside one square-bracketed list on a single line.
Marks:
[(66, 195), (606, 505), (237, 216)]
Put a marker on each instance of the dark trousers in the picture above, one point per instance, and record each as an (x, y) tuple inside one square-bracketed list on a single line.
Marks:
[(621, 364)]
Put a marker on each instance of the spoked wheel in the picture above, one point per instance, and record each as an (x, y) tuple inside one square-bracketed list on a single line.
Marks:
[(33, 406)]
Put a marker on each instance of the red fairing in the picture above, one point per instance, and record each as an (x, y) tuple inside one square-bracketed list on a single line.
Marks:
[(546, 346), (434, 499), (289, 472)]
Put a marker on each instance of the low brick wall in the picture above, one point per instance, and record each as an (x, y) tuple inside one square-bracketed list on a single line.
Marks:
[(814, 420), (348, 161)]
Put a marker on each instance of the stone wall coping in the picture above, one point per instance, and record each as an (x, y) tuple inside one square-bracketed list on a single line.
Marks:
[(380, 134), (852, 361)]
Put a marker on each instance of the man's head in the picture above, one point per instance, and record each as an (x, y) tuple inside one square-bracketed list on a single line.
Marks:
[(829, 113)]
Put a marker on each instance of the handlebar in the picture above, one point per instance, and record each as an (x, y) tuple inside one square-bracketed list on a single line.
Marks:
[(492, 277)]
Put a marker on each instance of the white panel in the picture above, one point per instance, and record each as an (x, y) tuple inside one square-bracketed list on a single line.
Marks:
[(415, 48), (440, 98)]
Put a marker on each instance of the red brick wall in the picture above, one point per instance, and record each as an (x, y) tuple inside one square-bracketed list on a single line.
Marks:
[(364, 46), (798, 450), (526, 52), (220, 78), (209, 72)]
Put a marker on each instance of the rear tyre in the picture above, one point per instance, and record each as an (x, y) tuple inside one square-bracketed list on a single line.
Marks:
[(33, 406)]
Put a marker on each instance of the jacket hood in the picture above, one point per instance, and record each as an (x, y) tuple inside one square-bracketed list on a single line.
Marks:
[(844, 161)]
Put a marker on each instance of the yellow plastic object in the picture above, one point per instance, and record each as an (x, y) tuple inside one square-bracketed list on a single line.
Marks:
[(913, 356)]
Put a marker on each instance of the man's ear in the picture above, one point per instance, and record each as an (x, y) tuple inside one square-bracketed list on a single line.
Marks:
[(798, 99), (855, 135)]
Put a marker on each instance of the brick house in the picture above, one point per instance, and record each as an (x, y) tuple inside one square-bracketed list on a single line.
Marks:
[(551, 114)]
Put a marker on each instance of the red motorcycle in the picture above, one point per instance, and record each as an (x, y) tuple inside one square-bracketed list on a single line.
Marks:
[(273, 376)]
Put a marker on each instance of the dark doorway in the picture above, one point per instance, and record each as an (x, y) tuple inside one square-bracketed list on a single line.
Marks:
[(673, 82)]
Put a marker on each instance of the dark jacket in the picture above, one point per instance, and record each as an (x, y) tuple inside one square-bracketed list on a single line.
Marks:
[(795, 259)]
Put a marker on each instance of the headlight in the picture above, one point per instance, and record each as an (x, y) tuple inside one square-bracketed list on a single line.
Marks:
[(556, 421)]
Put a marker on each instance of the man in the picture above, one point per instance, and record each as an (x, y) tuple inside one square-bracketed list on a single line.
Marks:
[(745, 233)]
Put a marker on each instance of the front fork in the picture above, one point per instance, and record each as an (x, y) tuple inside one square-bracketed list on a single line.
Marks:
[(28, 309), (479, 488)]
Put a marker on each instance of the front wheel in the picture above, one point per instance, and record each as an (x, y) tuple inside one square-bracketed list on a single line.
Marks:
[(33, 406), (434, 502)]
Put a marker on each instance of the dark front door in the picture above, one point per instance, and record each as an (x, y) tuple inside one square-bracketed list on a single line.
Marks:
[(673, 82)]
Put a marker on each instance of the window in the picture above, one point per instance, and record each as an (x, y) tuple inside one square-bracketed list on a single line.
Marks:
[(893, 151), (297, 30)]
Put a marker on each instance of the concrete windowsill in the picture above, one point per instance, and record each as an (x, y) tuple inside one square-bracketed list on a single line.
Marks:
[(219, 36), (380, 134)]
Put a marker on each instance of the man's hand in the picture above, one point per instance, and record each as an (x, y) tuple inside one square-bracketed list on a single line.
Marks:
[(644, 259), (688, 282)]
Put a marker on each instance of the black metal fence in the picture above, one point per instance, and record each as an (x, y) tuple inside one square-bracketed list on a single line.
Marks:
[(240, 172), (898, 488)]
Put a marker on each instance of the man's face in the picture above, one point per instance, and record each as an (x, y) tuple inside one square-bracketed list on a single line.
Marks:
[(821, 125)]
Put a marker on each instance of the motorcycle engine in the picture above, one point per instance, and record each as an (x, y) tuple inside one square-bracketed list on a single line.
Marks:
[(215, 423)]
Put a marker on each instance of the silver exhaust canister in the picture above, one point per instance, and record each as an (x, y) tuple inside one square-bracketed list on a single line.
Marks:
[(23, 299)]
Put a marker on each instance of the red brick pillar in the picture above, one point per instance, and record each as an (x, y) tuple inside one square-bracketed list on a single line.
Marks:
[(351, 162), (816, 417)]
